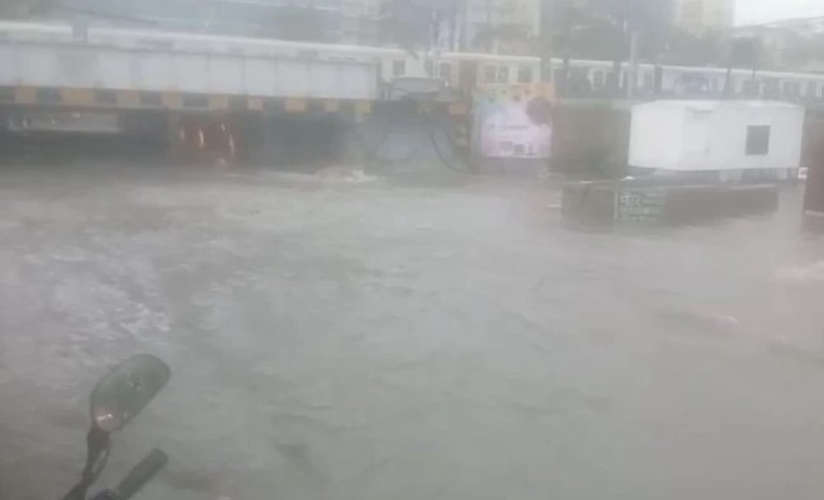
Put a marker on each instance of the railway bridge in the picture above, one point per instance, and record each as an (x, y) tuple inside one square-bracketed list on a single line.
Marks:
[(206, 94)]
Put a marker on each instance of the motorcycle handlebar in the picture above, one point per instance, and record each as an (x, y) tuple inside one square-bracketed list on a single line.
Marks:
[(141, 474)]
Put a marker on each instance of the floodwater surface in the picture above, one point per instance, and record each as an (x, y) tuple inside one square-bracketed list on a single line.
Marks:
[(357, 341)]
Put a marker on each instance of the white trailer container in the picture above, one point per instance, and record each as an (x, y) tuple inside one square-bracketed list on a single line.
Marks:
[(728, 137)]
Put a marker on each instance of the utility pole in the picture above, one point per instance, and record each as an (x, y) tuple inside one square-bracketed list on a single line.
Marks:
[(633, 63)]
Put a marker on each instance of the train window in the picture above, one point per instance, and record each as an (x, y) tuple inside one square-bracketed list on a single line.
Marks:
[(791, 89), (558, 75), (445, 71), (398, 67), (771, 88), (489, 74), (749, 88), (503, 74), (649, 80), (108, 97), (6, 94), (429, 67), (525, 74), (150, 99), (598, 79), (612, 80), (48, 96), (758, 140), (811, 90), (195, 101)]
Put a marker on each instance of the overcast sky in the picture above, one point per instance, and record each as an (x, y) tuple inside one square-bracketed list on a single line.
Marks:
[(759, 11)]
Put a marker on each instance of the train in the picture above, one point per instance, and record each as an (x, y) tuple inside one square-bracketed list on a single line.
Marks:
[(588, 78), (465, 71)]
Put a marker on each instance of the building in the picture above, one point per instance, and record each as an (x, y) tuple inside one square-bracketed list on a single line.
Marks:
[(699, 16)]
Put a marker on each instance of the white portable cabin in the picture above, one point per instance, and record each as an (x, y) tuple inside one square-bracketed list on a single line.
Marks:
[(727, 136)]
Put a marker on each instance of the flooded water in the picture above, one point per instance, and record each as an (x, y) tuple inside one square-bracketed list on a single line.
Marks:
[(340, 340)]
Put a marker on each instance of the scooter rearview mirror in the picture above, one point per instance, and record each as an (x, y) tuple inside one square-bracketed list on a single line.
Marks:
[(126, 390)]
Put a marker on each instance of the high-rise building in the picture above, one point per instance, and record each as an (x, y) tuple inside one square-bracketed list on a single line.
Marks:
[(699, 16)]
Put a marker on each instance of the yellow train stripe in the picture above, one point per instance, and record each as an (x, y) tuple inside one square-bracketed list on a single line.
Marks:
[(217, 102), (295, 105), (128, 99), (363, 107), (255, 103), (458, 109), (331, 106), (172, 100), (25, 95), (76, 97)]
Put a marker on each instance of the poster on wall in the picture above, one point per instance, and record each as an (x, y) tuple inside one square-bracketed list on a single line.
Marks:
[(516, 128)]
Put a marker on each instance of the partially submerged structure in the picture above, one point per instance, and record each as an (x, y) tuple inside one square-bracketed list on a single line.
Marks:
[(726, 141)]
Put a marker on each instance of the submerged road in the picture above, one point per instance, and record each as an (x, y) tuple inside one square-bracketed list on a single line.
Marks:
[(338, 340)]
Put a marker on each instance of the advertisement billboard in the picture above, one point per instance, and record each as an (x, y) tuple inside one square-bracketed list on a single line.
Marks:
[(513, 123)]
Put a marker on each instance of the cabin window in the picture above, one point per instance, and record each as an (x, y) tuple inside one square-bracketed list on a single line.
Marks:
[(758, 140)]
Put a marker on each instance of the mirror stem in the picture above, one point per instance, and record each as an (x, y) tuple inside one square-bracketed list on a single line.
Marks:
[(97, 453), (97, 445)]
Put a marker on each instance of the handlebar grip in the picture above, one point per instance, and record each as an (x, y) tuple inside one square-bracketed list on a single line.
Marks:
[(141, 474)]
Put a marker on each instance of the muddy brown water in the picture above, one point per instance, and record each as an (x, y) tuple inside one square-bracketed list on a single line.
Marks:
[(368, 340)]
